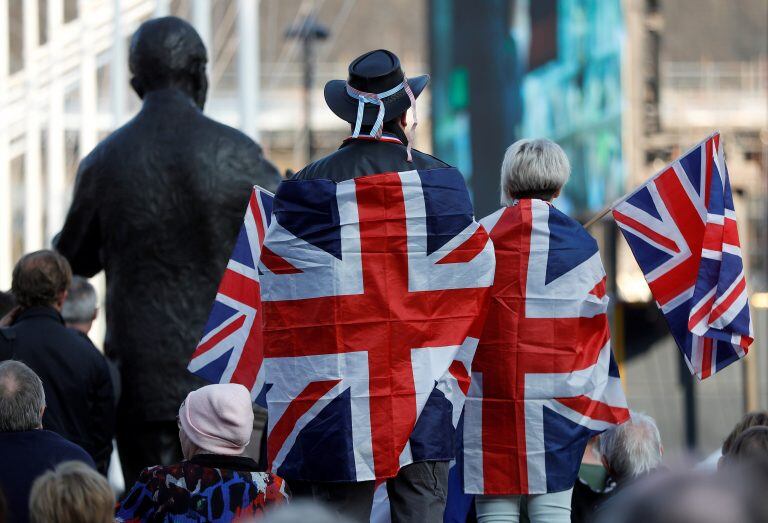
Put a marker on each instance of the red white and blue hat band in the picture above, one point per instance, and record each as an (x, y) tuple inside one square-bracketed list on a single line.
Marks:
[(378, 99)]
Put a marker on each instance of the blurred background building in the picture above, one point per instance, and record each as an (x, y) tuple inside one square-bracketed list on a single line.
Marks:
[(623, 85)]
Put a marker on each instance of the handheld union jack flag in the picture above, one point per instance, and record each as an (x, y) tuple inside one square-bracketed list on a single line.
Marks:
[(681, 227), (544, 379), (231, 348), (374, 292)]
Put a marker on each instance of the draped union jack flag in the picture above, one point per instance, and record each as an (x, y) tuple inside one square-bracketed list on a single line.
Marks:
[(374, 291), (681, 227), (543, 379), (231, 348)]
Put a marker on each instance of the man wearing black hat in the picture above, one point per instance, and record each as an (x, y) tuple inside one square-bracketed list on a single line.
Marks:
[(375, 100)]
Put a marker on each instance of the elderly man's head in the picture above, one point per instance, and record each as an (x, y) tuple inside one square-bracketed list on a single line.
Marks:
[(41, 279), (533, 169), (168, 53), (22, 399), (80, 307), (216, 419), (633, 448)]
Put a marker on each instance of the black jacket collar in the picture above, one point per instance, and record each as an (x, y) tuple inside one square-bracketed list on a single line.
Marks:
[(225, 462), (388, 137), (39, 312)]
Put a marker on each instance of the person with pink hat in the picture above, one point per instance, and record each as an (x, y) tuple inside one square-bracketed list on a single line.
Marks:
[(214, 482)]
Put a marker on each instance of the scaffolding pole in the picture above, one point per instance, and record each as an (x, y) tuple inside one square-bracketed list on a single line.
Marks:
[(6, 212), (56, 155), (248, 61), (201, 19), (33, 205)]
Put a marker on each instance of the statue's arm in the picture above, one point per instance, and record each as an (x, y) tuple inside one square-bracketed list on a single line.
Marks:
[(80, 239)]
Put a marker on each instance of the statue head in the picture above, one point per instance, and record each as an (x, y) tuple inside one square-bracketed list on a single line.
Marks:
[(168, 53)]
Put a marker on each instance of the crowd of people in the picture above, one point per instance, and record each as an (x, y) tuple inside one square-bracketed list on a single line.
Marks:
[(46, 477), (63, 403)]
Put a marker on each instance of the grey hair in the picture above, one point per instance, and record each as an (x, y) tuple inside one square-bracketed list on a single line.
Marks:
[(533, 169), (632, 448), (80, 305), (21, 397)]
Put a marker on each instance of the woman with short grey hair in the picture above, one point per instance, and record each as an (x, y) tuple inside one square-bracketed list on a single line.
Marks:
[(533, 168), (543, 352)]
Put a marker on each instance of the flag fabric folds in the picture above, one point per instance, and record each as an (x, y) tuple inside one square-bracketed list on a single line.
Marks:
[(544, 379), (374, 292), (231, 347), (681, 227)]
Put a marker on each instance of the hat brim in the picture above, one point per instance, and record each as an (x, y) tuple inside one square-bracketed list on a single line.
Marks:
[(345, 107)]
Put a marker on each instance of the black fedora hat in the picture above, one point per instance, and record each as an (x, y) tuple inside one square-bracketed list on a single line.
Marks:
[(374, 72)]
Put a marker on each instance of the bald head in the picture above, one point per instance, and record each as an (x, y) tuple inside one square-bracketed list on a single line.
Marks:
[(168, 53), (22, 399)]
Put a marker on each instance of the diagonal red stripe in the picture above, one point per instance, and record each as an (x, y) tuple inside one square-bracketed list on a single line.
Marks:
[(277, 264), (647, 231), (701, 313), (596, 410), (240, 288), (257, 218), (467, 251), (298, 407), (221, 335), (732, 297)]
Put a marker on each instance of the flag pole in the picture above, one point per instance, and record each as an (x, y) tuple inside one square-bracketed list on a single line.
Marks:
[(599, 215), (608, 209)]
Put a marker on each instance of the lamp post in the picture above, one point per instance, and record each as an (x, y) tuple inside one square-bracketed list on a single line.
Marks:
[(308, 31)]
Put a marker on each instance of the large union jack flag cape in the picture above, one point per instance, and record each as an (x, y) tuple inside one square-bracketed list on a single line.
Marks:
[(374, 292), (231, 348), (681, 227), (543, 379)]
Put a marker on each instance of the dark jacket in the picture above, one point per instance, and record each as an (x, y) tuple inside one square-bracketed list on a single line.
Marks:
[(208, 487), (78, 389), (24, 456), (362, 157), (158, 205)]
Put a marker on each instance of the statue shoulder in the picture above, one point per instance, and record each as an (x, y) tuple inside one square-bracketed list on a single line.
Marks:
[(237, 153)]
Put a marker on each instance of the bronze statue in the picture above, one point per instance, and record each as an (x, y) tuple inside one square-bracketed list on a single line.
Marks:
[(157, 206)]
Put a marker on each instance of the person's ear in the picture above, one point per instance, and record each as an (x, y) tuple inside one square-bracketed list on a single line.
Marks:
[(95, 314), (605, 463), (557, 193), (404, 119), (42, 411)]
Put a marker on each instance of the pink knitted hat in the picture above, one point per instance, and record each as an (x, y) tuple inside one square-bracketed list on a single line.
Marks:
[(218, 418)]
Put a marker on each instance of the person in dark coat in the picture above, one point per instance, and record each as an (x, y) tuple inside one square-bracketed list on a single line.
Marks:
[(78, 388), (27, 450), (380, 142), (157, 205), (79, 312)]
